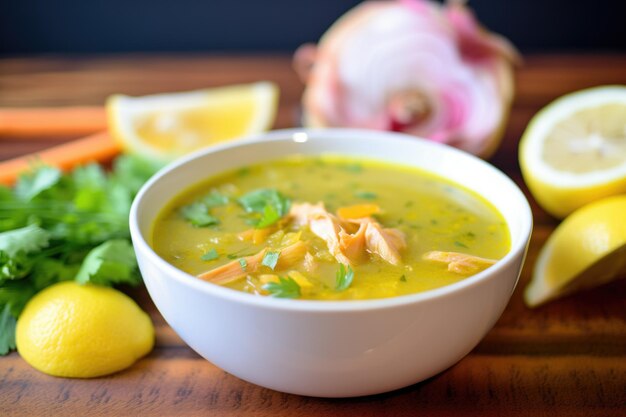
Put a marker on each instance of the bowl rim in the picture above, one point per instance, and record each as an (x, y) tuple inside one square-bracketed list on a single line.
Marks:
[(142, 247)]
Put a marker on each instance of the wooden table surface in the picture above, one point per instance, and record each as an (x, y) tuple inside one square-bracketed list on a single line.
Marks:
[(567, 358)]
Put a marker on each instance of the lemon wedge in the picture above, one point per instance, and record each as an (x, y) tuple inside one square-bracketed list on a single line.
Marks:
[(165, 126), (586, 250), (573, 151)]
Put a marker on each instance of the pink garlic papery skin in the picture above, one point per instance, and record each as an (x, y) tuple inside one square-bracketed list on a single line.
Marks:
[(411, 66)]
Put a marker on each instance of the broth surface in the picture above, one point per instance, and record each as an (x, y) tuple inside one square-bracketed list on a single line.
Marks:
[(431, 213)]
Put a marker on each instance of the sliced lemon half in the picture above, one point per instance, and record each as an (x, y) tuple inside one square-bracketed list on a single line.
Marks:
[(586, 250), (573, 151), (165, 126)]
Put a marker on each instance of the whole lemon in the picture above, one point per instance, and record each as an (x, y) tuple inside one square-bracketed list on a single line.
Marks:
[(82, 331)]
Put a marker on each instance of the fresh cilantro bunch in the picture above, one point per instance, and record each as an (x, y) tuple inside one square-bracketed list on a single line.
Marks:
[(57, 227)]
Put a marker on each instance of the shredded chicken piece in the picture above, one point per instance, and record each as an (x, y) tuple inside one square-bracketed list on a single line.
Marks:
[(344, 243), (323, 224), (386, 243), (460, 263), (234, 270), (354, 244)]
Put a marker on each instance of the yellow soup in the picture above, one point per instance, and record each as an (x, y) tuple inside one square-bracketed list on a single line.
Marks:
[(330, 228)]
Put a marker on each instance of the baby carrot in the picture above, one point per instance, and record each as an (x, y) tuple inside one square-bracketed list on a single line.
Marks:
[(47, 122), (99, 147)]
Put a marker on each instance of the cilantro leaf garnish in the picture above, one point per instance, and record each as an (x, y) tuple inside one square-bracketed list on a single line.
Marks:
[(215, 199), (198, 212), (243, 263), (198, 215), (270, 203), (343, 278), (270, 259), (110, 263), (355, 167), (366, 195), (284, 288), (210, 255), (270, 216)]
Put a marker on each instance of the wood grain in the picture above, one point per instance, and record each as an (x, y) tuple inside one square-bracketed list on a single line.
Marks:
[(563, 359)]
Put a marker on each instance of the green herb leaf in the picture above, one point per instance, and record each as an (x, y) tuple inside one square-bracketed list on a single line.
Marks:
[(14, 267), (270, 259), (215, 199), (243, 263), (343, 278), (270, 216), (355, 168), (91, 185), (210, 255), (16, 294), (460, 244), (242, 172), (49, 271), (232, 256), (403, 278), (112, 262), (285, 288), (198, 215), (32, 184), (27, 239), (7, 330), (15, 248), (366, 195), (133, 171), (270, 203)]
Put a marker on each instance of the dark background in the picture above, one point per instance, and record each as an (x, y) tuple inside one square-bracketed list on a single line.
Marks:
[(78, 26)]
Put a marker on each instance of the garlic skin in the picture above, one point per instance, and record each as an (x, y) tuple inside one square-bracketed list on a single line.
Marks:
[(412, 66)]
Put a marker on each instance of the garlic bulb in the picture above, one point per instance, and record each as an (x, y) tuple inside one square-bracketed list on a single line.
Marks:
[(411, 66)]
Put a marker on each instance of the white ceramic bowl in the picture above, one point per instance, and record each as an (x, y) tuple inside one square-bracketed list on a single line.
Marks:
[(332, 348)]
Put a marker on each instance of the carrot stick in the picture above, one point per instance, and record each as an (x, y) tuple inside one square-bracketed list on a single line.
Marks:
[(52, 122), (99, 147)]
